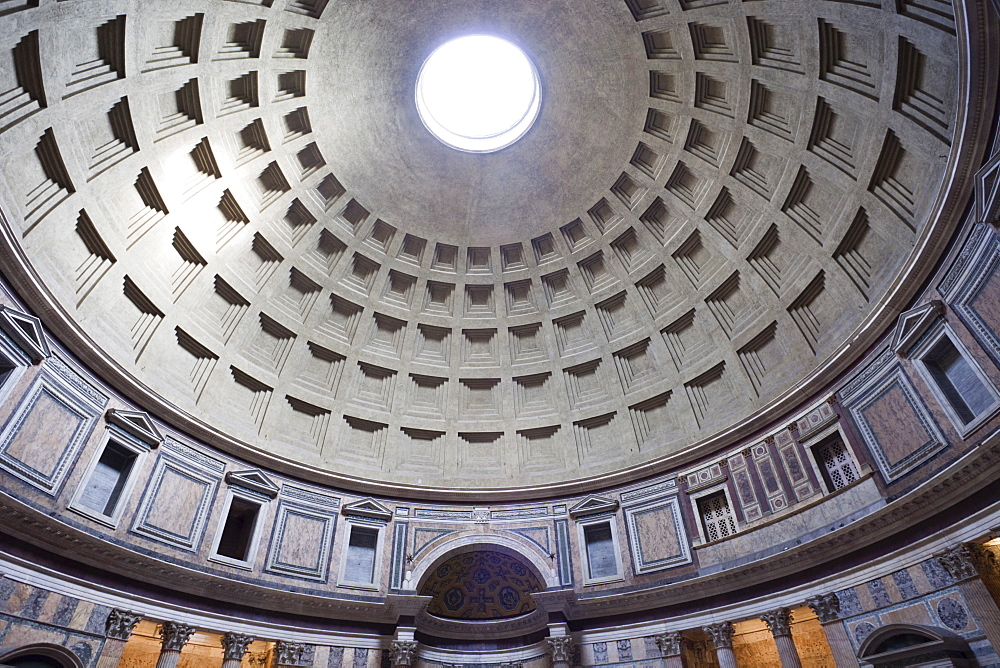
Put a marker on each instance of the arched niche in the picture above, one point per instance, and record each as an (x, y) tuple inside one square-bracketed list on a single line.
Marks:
[(41, 655), (915, 645), (524, 563)]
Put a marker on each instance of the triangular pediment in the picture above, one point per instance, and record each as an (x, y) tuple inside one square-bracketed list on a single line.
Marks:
[(254, 480), (26, 332), (368, 508), (136, 423), (593, 505), (913, 323), (988, 190)]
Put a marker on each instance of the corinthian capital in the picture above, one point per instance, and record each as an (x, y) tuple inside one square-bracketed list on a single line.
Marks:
[(669, 644), (826, 607), (175, 635), (559, 648), (120, 624), (779, 622), (402, 652), (968, 560), (288, 653), (234, 645), (721, 634)]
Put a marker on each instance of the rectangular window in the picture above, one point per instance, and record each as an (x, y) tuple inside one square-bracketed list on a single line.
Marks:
[(238, 531), (961, 386), (600, 544), (835, 463), (716, 517), (107, 481), (362, 546)]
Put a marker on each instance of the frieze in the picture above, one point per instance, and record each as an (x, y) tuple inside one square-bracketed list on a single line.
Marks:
[(67, 373), (191, 454), (973, 245), (663, 487), (879, 364), (310, 497)]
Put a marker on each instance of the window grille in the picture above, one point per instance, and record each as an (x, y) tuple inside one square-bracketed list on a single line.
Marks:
[(716, 516), (836, 462)]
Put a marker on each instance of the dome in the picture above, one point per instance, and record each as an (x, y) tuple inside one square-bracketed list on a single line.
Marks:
[(691, 359), (267, 248)]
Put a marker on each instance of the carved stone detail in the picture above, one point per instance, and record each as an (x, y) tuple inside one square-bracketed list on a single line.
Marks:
[(560, 648), (120, 624), (402, 652), (288, 653), (779, 622), (669, 644), (826, 607), (721, 634), (175, 635), (234, 645), (964, 560)]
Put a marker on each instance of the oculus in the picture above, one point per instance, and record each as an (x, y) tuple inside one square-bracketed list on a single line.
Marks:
[(478, 93)]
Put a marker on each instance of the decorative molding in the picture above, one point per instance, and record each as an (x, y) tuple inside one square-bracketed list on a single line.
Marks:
[(137, 424), (120, 624)]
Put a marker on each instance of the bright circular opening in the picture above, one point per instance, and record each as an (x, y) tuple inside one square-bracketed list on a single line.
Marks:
[(478, 93)]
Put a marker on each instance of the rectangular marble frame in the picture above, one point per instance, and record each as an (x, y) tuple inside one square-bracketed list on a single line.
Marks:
[(978, 273), (209, 482), (324, 519), (896, 378), (76, 407), (669, 506)]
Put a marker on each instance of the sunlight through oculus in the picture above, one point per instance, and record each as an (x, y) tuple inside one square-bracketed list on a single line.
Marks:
[(478, 93)]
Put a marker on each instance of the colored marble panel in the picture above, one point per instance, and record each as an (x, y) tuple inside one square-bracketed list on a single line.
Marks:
[(896, 425)]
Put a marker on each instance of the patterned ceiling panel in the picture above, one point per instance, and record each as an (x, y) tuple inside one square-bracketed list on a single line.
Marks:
[(481, 585)]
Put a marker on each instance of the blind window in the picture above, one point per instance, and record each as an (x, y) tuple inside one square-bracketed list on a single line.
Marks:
[(601, 562), (104, 488), (360, 566)]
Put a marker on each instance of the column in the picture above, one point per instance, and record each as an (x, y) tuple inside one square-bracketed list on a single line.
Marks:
[(779, 623), (175, 636), (670, 645), (288, 653), (117, 629), (403, 652), (234, 646), (827, 609), (722, 638), (965, 563), (559, 650)]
